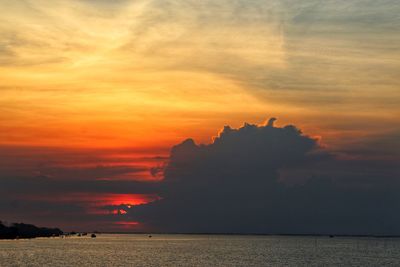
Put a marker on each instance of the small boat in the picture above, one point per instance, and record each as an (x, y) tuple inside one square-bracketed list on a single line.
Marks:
[(93, 236)]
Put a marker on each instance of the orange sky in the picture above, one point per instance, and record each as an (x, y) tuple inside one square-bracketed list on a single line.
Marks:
[(96, 74)]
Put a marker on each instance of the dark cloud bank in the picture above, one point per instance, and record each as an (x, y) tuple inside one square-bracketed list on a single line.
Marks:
[(234, 185), (255, 179)]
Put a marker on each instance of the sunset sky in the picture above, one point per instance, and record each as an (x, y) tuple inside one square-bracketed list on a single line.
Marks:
[(94, 93)]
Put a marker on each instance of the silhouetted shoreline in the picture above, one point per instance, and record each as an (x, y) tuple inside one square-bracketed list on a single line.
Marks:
[(27, 231), (22, 230), (256, 234)]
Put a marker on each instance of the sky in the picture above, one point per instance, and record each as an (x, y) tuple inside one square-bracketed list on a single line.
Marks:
[(134, 115)]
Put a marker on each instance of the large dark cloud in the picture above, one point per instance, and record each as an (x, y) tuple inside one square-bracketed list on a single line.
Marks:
[(236, 184), (255, 179)]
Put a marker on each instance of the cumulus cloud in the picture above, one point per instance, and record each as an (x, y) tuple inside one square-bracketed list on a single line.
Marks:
[(252, 179), (234, 185)]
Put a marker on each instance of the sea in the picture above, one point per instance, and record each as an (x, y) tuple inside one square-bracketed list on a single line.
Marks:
[(200, 250)]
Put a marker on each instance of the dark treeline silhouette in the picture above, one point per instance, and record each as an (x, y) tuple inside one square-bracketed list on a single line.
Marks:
[(22, 230)]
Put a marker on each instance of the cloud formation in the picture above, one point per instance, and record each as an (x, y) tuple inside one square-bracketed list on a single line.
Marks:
[(251, 179), (235, 185), (74, 189)]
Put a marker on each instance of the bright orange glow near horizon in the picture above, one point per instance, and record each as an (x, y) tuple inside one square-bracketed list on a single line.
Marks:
[(127, 225), (99, 203)]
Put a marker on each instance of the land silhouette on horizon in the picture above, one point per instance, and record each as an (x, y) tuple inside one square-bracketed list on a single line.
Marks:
[(22, 230)]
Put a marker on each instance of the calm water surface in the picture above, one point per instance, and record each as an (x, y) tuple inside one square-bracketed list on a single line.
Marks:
[(200, 250)]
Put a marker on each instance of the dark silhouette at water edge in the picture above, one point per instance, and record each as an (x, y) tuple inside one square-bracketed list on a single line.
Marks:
[(22, 230)]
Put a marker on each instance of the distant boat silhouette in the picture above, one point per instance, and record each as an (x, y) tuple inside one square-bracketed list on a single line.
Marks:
[(93, 236)]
